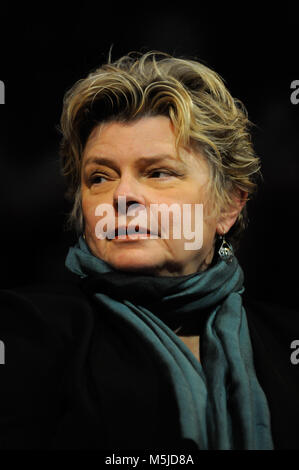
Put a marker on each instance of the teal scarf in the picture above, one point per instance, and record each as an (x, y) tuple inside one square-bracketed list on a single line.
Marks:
[(221, 404)]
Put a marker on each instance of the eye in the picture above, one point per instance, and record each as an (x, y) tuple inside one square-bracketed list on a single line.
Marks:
[(97, 179), (160, 174)]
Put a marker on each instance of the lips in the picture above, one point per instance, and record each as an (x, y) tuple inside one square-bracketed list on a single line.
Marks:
[(131, 231)]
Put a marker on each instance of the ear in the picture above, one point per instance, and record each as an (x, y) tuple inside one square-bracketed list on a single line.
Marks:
[(229, 215)]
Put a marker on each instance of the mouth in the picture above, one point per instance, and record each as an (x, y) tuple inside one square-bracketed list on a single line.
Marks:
[(129, 233)]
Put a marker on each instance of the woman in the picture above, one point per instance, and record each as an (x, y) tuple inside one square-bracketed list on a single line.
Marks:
[(151, 343)]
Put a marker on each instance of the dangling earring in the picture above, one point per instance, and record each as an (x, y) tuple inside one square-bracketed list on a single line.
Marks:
[(225, 251), (84, 236)]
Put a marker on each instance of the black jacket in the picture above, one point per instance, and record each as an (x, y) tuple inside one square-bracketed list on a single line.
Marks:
[(72, 379)]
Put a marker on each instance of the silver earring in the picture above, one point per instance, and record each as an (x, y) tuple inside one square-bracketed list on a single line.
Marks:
[(225, 251)]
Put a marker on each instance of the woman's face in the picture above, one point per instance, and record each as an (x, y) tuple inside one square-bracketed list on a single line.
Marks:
[(138, 162)]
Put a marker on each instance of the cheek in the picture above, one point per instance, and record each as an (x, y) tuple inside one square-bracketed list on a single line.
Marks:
[(88, 209)]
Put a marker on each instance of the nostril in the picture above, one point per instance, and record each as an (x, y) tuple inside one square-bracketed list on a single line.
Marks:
[(136, 208)]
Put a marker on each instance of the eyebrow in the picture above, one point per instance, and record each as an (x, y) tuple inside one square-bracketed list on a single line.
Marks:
[(143, 160)]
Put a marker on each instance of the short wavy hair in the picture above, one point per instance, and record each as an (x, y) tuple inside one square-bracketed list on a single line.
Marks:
[(204, 114)]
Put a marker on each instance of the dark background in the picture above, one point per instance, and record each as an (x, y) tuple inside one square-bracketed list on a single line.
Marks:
[(45, 50)]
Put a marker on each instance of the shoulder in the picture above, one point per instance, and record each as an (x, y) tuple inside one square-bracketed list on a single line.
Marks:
[(47, 316), (56, 299), (42, 329), (274, 332), (278, 323)]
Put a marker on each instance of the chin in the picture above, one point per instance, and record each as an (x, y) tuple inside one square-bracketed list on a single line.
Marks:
[(135, 262)]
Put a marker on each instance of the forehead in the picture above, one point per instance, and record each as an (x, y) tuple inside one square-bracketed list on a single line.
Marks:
[(146, 137), (146, 134)]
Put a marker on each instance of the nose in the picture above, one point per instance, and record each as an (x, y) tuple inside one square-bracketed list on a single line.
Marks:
[(128, 190)]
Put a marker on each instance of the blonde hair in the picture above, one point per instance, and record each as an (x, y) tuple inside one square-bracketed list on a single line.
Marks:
[(203, 112)]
